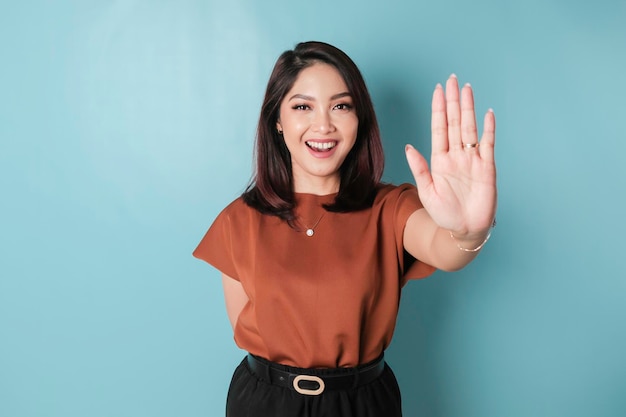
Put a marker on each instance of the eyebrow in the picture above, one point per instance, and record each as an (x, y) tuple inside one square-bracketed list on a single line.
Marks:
[(309, 98)]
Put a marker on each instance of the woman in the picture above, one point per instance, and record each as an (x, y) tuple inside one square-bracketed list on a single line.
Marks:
[(314, 254)]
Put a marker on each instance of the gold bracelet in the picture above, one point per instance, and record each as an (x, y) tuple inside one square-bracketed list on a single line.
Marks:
[(476, 249), (479, 247)]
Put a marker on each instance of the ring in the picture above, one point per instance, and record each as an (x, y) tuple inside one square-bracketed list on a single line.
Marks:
[(470, 145)]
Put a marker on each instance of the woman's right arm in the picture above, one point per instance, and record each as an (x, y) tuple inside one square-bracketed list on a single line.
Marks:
[(236, 298)]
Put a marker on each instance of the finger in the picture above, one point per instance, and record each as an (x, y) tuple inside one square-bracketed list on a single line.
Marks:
[(439, 123), (453, 112), (488, 140), (469, 133), (419, 168)]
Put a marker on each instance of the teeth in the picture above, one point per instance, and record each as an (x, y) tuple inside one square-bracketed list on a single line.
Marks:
[(321, 145)]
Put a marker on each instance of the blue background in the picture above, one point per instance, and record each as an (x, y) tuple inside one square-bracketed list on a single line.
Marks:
[(126, 126)]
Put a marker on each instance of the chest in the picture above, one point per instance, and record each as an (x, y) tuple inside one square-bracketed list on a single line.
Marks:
[(341, 258)]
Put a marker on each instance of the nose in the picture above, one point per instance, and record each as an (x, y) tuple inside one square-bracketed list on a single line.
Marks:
[(322, 122)]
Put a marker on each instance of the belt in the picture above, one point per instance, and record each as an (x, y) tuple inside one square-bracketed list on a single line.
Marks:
[(313, 381)]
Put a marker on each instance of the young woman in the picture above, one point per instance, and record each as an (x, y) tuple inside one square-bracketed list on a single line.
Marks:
[(314, 254)]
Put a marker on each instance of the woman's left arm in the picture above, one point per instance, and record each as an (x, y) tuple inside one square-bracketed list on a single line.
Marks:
[(459, 192)]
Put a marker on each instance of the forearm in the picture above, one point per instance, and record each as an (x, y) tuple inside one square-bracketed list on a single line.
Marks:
[(454, 252), (438, 246)]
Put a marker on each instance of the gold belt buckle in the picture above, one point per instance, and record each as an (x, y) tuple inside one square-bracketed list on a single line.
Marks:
[(310, 378)]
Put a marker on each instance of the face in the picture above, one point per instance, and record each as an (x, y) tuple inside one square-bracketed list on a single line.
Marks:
[(319, 125)]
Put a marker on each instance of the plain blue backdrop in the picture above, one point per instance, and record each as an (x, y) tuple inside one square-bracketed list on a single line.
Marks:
[(126, 126)]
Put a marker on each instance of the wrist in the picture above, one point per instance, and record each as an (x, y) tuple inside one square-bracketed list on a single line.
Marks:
[(472, 242)]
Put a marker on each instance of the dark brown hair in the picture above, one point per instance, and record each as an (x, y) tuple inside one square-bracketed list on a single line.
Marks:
[(271, 188)]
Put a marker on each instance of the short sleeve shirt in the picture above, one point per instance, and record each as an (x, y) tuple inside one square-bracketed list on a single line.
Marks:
[(327, 300)]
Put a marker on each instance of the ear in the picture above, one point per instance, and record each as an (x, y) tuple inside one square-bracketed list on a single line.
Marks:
[(279, 127)]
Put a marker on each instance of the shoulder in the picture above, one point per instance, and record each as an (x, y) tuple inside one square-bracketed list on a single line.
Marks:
[(237, 206), (390, 192), (237, 212), (397, 202), (227, 228)]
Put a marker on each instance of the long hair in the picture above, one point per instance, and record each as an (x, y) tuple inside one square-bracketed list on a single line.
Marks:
[(271, 188)]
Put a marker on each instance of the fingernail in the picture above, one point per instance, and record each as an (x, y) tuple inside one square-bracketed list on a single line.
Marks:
[(468, 85), (490, 110), (438, 85), (407, 147), (453, 75)]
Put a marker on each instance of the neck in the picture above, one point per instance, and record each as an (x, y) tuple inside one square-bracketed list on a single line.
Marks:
[(317, 186)]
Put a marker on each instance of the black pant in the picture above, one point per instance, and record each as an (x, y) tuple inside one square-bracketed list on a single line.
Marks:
[(251, 395)]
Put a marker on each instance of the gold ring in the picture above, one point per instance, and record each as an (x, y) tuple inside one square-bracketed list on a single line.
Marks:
[(470, 145)]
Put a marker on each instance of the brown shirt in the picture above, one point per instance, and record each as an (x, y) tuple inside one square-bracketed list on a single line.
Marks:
[(328, 300)]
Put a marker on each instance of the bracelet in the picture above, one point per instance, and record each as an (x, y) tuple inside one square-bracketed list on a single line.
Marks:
[(476, 249), (479, 247)]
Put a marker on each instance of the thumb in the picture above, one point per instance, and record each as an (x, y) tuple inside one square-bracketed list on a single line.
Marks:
[(419, 168)]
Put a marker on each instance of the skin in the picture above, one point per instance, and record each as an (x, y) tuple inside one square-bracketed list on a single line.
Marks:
[(318, 110), (458, 192)]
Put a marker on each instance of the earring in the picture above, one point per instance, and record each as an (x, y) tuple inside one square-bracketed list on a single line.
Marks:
[(280, 131)]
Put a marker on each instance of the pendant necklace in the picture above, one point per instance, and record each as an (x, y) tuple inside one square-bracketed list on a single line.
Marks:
[(310, 231)]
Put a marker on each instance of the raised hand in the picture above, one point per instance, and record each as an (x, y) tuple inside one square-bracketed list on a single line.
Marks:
[(459, 192)]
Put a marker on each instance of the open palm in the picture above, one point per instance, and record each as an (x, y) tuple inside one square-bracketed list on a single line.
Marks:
[(459, 191)]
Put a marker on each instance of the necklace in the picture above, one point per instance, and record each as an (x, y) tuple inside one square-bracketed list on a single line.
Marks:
[(310, 231)]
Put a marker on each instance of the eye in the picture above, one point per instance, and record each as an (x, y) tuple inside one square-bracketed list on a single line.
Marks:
[(301, 107), (343, 106)]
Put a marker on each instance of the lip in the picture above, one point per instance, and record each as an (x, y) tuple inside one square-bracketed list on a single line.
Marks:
[(322, 154)]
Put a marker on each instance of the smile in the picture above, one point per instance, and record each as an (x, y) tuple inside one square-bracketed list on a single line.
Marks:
[(321, 146)]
